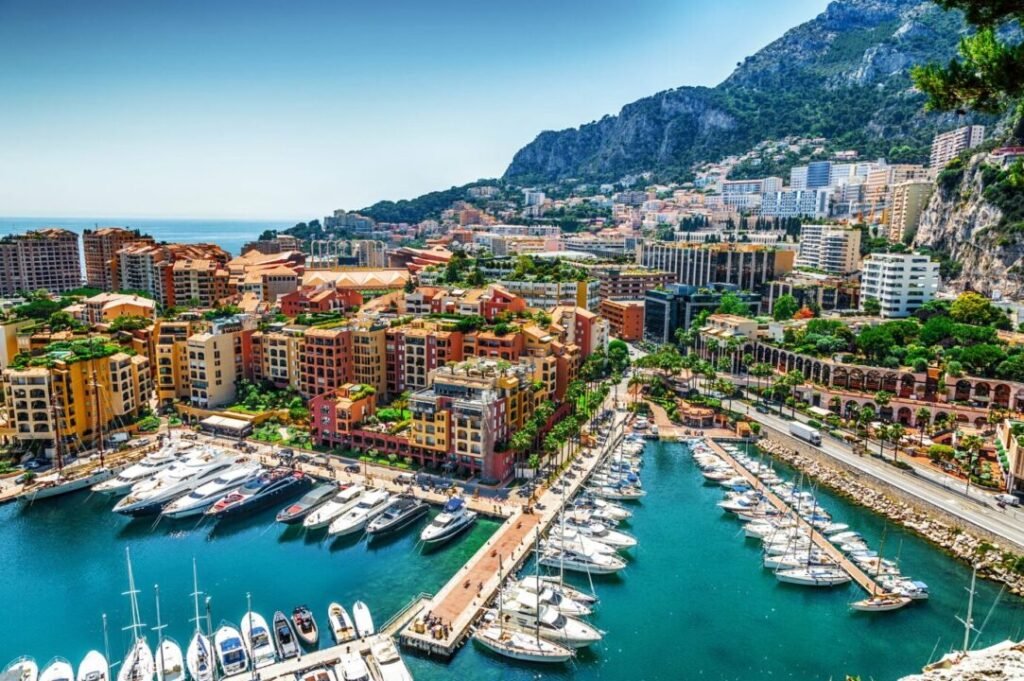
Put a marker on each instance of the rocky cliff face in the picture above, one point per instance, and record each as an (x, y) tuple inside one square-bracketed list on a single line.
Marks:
[(999, 663), (960, 223), (843, 75)]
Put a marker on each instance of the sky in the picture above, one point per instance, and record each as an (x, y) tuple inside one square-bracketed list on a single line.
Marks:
[(290, 109)]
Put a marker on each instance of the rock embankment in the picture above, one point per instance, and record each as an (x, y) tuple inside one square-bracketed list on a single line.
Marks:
[(997, 664), (993, 562)]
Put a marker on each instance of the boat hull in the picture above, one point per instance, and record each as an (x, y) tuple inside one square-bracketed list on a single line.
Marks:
[(70, 486)]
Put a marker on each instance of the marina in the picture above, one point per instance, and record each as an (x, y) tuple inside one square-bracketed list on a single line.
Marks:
[(392, 572)]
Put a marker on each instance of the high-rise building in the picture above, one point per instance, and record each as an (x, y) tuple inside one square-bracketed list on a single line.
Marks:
[(900, 282), (171, 355), (41, 259), (673, 308), (150, 268), (101, 247), (947, 145), (624, 282), (908, 202), (794, 203), (834, 249), (217, 359), (798, 177), (819, 174)]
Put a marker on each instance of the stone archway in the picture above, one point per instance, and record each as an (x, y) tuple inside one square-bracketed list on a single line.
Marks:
[(907, 383), (962, 391), (904, 415), (1001, 396)]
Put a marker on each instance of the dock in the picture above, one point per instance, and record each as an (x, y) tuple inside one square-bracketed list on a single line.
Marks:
[(851, 568), (327, 657), (461, 602)]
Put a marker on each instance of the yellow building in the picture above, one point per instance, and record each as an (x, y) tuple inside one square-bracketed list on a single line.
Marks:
[(78, 389), (171, 357), (369, 356), (9, 339), (276, 354)]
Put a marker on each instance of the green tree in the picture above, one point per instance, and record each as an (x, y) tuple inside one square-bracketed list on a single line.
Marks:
[(883, 398), (731, 304), (988, 74), (785, 307), (923, 417), (62, 321), (872, 306)]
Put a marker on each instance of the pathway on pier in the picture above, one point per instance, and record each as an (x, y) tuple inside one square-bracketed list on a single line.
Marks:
[(851, 568), (459, 603)]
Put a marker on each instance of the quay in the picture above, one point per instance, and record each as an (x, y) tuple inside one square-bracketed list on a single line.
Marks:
[(851, 568), (295, 667), (461, 602)]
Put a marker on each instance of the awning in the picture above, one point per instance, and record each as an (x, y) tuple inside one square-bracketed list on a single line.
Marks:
[(224, 424)]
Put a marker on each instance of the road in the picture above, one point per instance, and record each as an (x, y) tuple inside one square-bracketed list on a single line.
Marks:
[(923, 483)]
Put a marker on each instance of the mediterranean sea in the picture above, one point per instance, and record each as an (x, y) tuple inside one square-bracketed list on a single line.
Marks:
[(693, 603)]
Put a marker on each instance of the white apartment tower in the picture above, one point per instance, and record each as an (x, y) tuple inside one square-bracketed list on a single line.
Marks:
[(830, 248), (900, 282), (946, 146)]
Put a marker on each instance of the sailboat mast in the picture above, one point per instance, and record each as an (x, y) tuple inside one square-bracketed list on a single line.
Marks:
[(536, 542), (248, 614), (99, 416), (159, 634), (969, 622), (195, 596), (106, 639), (58, 456), (133, 598)]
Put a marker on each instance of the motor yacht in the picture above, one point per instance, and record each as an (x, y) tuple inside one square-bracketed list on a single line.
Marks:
[(259, 492), (521, 612), (389, 664), (402, 512), (207, 494), (372, 504), (533, 583), (57, 669), (93, 667), (363, 619), (309, 502), (149, 497), (21, 669), (352, 667), (305, 626), (342, 501), (453, 519), (578, 560), (553, 599), (284, 637)]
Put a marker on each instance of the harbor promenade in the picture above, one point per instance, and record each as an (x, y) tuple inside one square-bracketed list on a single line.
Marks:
[(462, 600), (858, 575)]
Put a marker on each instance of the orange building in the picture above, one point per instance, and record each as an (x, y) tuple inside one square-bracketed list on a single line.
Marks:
[(625, 317), (341, 411)]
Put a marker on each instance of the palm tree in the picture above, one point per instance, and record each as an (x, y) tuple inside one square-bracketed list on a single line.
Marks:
[(924, 417), (760, 371), (792, 380), (882, 433), (747, 360), (883, 398), (972, 444), (727, 388), (896, 433)]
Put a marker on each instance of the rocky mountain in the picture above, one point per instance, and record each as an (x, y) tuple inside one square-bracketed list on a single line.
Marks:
[(844, 75)]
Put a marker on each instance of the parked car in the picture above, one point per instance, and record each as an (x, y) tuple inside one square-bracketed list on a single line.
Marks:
[(1007, 500), (404, 479), (352, 468)]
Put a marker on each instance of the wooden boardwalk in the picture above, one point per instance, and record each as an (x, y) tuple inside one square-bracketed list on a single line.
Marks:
[(462, 600), (326, 657), (851, 568)]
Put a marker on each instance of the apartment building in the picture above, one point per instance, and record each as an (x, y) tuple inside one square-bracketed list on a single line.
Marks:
[(816, 291), (795, 203), (106, 307), (318, 299), (370, 356), (834, 249), (625, 318), (582, 328), (900, 282), (41, 259), (276, 356), (217, 359), (151, 268), (100, 247), (325, 362), (279, 244), (947, 145), (622, 282), (76, 396), (470, 409), (199, 282), (909, 200), (334, 414), (666, 311), (747, 266), (545, 295), (172, 362)]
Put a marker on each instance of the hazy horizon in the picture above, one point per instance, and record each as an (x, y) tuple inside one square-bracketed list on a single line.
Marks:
[(240, 110)]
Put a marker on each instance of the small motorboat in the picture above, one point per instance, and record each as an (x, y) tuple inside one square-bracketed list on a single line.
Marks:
[(256, 636), (93, 667), (170, 664), (363, 619), (305, 626), (227, 641), (390, 665), (880, 603), (57, 669), (342, 629), (519, 646), (284, 637), (402, 512), (21, 669), (307, 503), (351, 667)]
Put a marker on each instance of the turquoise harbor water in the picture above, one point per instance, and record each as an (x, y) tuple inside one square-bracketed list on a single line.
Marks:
[(230, 235), (694, 602)]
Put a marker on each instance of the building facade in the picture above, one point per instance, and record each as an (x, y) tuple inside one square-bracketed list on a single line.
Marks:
[(100, 247), (900, 282), (747, 266), (948, 145), (42, 259), (833, 249)]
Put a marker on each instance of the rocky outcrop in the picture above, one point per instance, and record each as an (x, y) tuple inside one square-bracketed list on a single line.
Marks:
[(960, 223), (998, 663), (844, 73)]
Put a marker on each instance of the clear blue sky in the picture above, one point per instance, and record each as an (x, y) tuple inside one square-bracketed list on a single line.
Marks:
[(253, 108)]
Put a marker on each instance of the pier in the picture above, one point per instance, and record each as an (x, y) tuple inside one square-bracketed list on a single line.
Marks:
[(851, 568), (293, 668), (463, 599)]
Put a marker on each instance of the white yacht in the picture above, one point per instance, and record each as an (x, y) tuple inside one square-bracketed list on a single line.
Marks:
[(169, 662), (148, 467), (578, 560), (149, 497), (352, 667), (517, 645), (371, 505), (453, 519), (569, 537), (521, 612), (207, 494), (363, 619), (532, 583), (57, 669), (93, 667), (340, 624), (390, 665), (256, 636), (814, 576), (551, 598), (345, 499)]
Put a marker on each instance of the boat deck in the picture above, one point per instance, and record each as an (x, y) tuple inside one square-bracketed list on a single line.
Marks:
[(851, 568), (462, 600)]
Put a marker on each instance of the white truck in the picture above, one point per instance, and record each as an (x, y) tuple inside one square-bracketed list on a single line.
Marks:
[(805, 432)]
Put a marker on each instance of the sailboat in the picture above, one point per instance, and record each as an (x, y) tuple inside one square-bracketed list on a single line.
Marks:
[(93, 667), (256, 636), (138, 662), (517, 644), (57, 669), (880, 602), (170, 666), (199, 657)]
